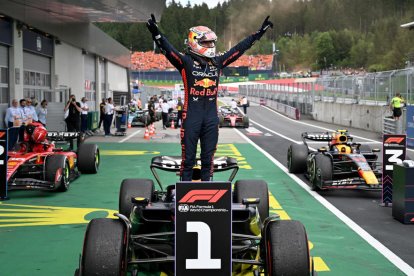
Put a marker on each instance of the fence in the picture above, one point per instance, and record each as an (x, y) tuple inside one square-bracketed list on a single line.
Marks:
[(370, 89)]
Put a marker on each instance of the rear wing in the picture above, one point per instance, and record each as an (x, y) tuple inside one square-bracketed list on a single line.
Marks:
[(321, 136), (62, 135), (173, 164)]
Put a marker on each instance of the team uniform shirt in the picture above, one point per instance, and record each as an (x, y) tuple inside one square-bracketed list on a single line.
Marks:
[(13, 115), (200, 119), (109, 109), (165, 107), (233, 104), (42, 114), (84, 105)]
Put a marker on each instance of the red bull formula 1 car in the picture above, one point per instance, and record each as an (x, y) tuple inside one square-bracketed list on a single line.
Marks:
[(232, 117), (142, 239), (342, 164), (37, 163)]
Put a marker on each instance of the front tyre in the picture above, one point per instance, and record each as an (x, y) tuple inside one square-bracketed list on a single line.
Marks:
[(104, 248), (57, 170), (285, 246), (296, 158), (133, 188)]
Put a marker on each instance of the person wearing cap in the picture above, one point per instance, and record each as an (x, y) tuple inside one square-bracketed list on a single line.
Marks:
[(200, 68)]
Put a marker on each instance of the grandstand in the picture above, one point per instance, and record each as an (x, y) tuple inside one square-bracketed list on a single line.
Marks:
[(148, 61)]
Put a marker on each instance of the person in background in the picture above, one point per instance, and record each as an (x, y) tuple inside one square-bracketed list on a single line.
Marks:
[(13, 120), (233, 104), (396, 106), (84, 114), (139, 103), (165, 110), (109, 115), (180, 106), (73, 119), (31, 111), (244, 104), (151, 109), (101, 112), (42, 112), (25, 118)]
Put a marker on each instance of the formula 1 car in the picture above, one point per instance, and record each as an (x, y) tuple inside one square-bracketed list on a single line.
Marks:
[(142, 239), (232, 117), (343, 164), (44, 166), (173, 116), (139, 118)]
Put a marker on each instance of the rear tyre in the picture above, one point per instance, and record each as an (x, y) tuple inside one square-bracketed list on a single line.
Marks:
[(253, 189), (321, 170), (246, 122), (57, 170), (133, 188), (221, 121), (88, 158), (286, 248), (104, 248), (296, 158)]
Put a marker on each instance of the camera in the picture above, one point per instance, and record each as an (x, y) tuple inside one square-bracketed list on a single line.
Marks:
[(73, 100)]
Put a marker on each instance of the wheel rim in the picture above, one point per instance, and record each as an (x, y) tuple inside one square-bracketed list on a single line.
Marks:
[(97, 160), (65, 176)]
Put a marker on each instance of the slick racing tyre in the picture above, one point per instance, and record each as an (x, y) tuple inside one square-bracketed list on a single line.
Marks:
[(221, 121), (296, 158), (246, 122), (131, 188), (321, 170), (57, 170), (88, 158), (253, 189), (286, 248), (104, 248)]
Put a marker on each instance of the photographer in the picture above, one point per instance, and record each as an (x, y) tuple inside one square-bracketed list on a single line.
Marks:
[(73, 119)]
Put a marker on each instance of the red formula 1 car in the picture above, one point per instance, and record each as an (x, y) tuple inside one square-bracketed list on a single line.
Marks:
[(37, 163), (232, 117)]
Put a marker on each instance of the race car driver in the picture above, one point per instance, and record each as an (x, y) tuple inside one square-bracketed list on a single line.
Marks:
[(200, 69), (35, 139)]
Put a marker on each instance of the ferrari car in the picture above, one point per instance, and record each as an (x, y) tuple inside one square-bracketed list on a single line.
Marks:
[(46, 166), (139, 118), (342, 164), (232, 117), (142, 238)]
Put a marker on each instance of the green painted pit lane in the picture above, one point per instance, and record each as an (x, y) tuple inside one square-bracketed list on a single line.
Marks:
[(42, 233)]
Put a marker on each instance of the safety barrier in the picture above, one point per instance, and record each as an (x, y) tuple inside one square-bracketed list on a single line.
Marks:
[(391, 126), (290, 111)]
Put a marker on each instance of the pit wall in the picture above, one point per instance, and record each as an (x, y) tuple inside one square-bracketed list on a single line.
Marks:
[(352, 115)]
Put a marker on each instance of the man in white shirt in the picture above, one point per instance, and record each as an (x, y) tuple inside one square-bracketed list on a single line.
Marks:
[(233, 104), (244, 104), (31, 111), (109, 115), (165, 108), (84, 114), (13, 120)]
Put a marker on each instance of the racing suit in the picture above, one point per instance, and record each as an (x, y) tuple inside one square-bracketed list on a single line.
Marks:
[(200, 118)]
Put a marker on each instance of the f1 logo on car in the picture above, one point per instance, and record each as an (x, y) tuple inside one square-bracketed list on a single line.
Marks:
[(212, 196)]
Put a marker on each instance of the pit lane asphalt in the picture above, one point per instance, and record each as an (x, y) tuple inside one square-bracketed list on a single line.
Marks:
[(363, 207)]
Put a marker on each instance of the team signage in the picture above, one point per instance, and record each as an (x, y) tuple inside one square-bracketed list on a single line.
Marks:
[(394, 150), (203, 229), (3, 164)]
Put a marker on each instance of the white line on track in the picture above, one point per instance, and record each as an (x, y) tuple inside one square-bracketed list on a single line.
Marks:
[(130, 136), (397, 261)]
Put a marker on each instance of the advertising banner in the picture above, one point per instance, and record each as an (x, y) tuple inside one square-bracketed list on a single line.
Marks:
[(203, 229)]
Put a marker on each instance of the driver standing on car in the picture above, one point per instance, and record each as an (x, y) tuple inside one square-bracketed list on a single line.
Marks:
[(200, 69)]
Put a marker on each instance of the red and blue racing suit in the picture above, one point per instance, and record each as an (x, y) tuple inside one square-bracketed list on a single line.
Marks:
[(200, 119)]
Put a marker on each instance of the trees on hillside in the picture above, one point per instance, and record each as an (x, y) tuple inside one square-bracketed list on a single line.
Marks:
[(309, 33)]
